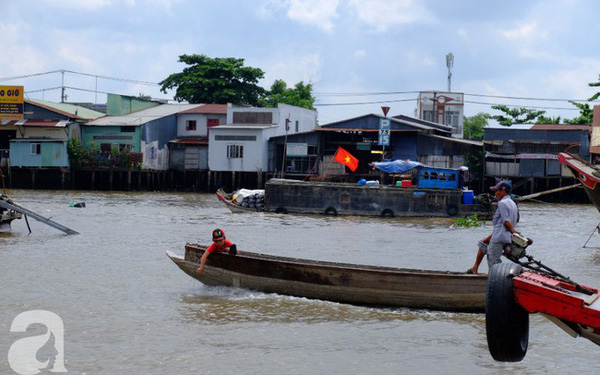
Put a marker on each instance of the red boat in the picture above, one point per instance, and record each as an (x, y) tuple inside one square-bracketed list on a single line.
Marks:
[(516, 290), (587, 173)]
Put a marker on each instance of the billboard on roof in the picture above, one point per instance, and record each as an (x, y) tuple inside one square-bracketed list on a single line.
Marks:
[(11, 102)]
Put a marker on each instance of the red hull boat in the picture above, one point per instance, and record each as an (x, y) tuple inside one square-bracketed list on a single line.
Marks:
[(587, 173), (516, 290)]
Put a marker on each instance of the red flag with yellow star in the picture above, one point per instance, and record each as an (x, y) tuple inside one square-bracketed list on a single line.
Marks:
[(344, 157)]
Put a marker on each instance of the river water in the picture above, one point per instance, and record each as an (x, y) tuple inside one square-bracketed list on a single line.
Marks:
[(127, 309)]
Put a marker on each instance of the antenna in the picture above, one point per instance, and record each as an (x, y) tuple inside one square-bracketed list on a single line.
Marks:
[(450, 64)]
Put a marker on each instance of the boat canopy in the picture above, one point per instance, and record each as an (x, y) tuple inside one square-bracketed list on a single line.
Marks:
[(396, 166)]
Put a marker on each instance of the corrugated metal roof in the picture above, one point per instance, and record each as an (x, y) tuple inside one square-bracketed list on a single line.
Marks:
[(560, 127), (242, 126), (187, 141), (208, 109), (540, 127), (141, 117), (457, 140), (364, 130), (37, 123), (70, 110)]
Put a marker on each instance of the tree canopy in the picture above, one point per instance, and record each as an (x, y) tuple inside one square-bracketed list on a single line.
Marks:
[(595, 84), (473, 125), (515, 115), (299, 96), (586, 114), (215, 80)]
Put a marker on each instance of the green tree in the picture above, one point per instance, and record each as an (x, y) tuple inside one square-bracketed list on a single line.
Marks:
[(586, 114), (547, 120), (299, 96), (595, 84), (473, 125), (515, 115), (215, 80)]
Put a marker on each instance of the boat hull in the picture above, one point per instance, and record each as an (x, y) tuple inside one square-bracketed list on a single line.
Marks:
[(234, 208), (339, 282), (586, 173)]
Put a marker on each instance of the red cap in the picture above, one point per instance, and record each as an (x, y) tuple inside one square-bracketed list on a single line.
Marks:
[(218, 234)]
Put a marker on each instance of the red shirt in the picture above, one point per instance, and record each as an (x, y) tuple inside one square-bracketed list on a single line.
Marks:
[(214, 247)]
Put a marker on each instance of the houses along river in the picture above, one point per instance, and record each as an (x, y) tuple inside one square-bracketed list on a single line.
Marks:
[(128, 309)]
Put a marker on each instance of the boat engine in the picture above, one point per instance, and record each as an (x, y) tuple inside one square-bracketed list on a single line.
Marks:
[(515, 250)]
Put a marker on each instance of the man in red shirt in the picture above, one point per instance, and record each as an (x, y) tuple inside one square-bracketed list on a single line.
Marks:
[(220, 244)]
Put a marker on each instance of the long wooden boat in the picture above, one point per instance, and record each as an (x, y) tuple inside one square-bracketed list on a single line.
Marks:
[(587, 173), (227, 200), (338, 282)]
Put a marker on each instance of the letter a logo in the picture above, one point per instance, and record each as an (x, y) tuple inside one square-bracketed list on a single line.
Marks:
[(23, 353)]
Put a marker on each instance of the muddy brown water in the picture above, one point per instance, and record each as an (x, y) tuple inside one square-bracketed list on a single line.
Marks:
[(127, 309)]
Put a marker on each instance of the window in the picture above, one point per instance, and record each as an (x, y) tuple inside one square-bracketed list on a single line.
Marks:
[(452, 118), (252, 117), (124, 146), (433, 176), (127, 129), (36, 148), (106, 148), (212, 122), (235, 151), (190, 125), (235, 138), (425, 175), (297, 126)]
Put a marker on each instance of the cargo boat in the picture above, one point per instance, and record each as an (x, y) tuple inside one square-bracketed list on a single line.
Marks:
[(437, 192), (291, 196)]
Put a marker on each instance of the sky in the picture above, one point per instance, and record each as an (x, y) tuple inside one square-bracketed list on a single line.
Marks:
[(359, 54)]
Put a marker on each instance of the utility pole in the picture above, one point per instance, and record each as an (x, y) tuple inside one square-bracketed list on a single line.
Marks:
[(450, 64), (62, 95)]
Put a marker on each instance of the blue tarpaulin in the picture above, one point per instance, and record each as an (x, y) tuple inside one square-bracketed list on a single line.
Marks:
[(396, 166)]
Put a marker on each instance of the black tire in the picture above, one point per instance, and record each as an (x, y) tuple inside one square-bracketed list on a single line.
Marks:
[(281, 210), (452, 210), (506, 323), (387, 213), (330, 211)]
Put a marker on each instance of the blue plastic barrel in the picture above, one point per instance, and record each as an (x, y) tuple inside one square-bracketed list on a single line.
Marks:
[(467, 197)]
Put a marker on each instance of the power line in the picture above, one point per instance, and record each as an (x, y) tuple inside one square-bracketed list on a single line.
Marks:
[(127, 80), (364, 103), (465, 94)]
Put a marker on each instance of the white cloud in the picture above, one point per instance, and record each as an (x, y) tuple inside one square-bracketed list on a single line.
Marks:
[(382, 15), (360, 53), (317, 13), (525, 31), (293, 69)]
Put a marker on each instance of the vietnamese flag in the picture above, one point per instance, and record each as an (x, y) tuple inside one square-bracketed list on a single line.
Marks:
[(344, 157)]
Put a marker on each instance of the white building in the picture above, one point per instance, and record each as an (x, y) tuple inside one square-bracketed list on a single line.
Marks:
[(241, 145), (446, 108)]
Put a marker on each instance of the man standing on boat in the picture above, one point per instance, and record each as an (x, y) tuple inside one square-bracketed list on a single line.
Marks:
[(220, 244), (504, 221)]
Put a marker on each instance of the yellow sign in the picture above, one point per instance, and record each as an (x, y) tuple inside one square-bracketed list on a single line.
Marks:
[(11, 102)]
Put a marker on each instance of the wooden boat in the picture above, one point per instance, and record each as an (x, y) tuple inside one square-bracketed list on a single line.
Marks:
[(587, 173), (226, 198), (6, 217), (338, 282)]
